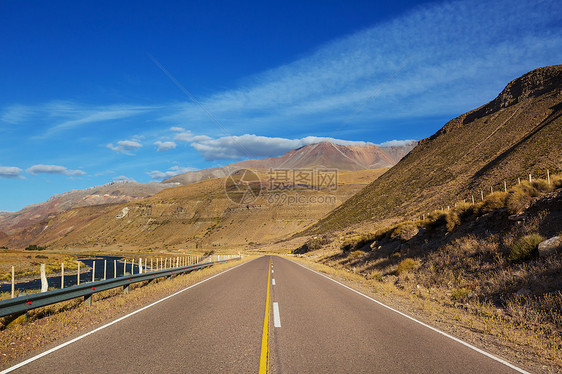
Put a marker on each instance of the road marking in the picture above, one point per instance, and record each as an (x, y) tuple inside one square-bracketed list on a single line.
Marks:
[(489, 355), (273, 282), (30, 360), (272, 271), (264, 367), (276, 316)]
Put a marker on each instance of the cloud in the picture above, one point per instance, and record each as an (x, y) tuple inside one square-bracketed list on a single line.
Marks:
[(10, 172), (123, 178), (164, 146), (53, 169), (253, 146), (396, 143), (177, 129), (175, 170), (125, 146), (429, 62), (187, 136)]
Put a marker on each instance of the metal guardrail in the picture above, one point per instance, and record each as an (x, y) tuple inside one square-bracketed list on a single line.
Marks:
[(24, 303)]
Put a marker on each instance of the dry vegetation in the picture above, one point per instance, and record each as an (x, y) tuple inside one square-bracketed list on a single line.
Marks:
[(27, 263), (480, 261)]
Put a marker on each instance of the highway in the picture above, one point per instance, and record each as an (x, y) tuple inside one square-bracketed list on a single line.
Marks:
[(313, 325)]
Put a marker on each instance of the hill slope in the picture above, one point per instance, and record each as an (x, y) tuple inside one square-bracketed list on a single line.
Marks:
[(516, 134)]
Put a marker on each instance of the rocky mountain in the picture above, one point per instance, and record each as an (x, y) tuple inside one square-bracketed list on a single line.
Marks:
[(324, 154), (516, 134), (110, 193)]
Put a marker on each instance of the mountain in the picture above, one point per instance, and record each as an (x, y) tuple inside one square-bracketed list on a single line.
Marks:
[(516, 134), (110, 193), (198, 215), (324, 154)]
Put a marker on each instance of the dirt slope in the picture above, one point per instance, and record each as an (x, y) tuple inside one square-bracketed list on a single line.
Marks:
[(518, 133)]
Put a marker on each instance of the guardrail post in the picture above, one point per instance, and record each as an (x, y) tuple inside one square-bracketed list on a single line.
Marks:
[(44, 284), (88, 299), (13, 283), (62, 275)]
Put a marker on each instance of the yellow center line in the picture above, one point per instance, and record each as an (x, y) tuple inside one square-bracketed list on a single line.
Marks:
[(265, 336)]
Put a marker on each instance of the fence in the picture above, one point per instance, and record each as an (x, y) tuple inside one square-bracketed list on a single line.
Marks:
[(24, 303)]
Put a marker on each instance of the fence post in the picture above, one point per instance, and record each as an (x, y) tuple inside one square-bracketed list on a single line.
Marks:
[(124, 266), (44, 284), (140, 265), (548, 175), (114, 268), (482, 195), (62, 275), (491, 189), (504, 186), (530, 179), (13, 283), (93, 270), (151, 268), (78, 275), (132, 266), (472, 199), (104, 269)]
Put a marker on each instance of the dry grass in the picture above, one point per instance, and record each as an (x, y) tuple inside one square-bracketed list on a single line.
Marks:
[(525, 248), (28, 263)]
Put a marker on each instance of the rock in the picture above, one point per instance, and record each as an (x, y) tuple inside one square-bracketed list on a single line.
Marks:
[(550, 246)]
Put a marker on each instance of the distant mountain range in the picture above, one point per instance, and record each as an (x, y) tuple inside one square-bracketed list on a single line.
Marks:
[(324, 154), (516, 134)]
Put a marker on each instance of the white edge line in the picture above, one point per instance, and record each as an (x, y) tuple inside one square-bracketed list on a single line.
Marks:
[(421, 323), (276, 316), (30, 360)]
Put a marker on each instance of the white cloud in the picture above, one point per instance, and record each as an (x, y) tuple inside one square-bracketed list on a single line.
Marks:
[(10, 172), (164, 146), (175, 170), (431, 61), (123, 178), (396, 143), (53, 169), (177, 129), (253, 146), (125, 146), (187, 136)]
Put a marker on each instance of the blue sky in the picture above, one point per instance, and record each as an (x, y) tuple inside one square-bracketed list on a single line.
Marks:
[(95, 91)]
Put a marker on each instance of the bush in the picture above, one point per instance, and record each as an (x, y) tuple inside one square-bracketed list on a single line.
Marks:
[(357, 241), (356, 254), (461, 293), (556, 181), (435, 219), (406, 265), (525, 248), (517, 201), (541, 185), (404, 231), (495, 200), (34, 247)]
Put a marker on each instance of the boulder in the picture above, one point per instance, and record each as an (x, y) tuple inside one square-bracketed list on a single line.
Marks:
[(550, 246)]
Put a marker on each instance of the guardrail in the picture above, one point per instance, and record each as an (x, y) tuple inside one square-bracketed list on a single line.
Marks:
[(24, 303)]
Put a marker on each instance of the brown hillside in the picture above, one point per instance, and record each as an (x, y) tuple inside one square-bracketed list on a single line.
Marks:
[(196, 215), (516, 134)]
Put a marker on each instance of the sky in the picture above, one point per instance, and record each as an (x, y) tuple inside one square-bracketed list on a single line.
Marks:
[(97, 91)]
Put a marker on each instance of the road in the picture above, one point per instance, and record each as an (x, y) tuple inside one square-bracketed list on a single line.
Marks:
[(315, 326)]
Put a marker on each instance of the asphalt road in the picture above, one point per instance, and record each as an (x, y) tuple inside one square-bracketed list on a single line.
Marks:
[(316, 326)]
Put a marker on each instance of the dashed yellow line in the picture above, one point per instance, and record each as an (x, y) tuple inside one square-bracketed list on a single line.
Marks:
[(264, 367)]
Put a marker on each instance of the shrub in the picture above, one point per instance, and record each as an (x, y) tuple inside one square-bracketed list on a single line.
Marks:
[(493, 201), (525, 248), (34, 247), (435, 219), (356, 254), (376, 276), (541, 185), (517, 201), (461, 293), (404, 231), (357, 241), (556, 181), (406, 265)]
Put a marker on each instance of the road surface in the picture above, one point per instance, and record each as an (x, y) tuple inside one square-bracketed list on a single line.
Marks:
[(314, 325)]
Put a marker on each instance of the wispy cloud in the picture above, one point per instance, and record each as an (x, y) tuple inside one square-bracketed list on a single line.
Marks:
[(396, 143), (53, 169), (10, 172), (164, 146), (122, 178), (65, 115), (432, 61), (127, 147), (174, 170)]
